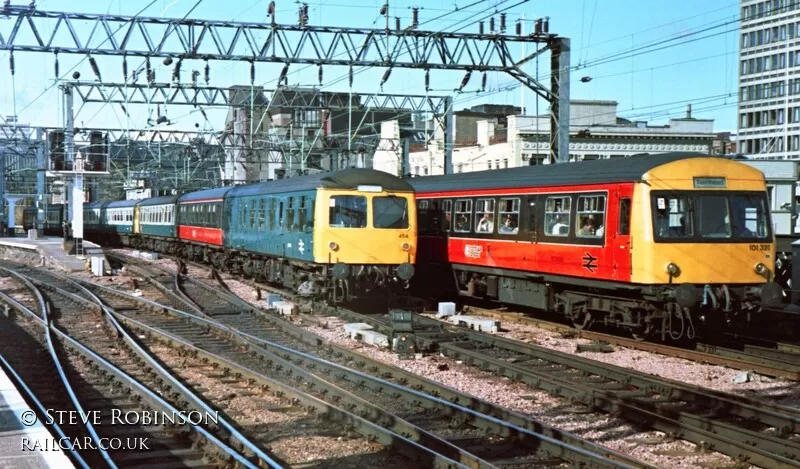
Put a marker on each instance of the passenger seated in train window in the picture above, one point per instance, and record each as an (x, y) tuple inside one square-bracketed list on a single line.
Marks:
[(508, 226), (462, 224), (559, 228), (485, 224), (588, 228)]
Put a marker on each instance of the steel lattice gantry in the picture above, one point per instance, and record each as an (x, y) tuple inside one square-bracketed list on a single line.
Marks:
[(26, 30), (212, 96)]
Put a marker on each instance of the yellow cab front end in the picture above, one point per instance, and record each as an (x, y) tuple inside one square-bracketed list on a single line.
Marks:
[(701, 229), (367, 235)]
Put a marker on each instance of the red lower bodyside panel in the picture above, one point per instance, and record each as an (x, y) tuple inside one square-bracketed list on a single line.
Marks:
[(199, 234)]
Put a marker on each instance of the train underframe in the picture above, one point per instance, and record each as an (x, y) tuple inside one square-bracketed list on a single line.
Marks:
[(669, 312), (332, 283)]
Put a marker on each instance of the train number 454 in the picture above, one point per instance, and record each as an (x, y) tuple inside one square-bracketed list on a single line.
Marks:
[(760, 247)]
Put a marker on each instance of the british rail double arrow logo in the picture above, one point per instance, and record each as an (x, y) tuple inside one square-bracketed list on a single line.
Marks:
[(589, 262)]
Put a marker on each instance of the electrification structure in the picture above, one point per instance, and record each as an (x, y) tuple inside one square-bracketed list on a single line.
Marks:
[(177, 40)]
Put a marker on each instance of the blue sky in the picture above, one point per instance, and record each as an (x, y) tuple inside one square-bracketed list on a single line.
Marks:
[(697, 62)]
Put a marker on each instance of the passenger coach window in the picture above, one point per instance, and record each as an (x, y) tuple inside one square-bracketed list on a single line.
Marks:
[(509, 216), (672, 218), (447, 208), (484, 208), (557, 215), (591, 216), (390, 212), (463, 216), (713, 216), (348, 211)]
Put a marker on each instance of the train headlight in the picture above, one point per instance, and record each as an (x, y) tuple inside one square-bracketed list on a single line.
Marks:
[(333, 246), (405, 246), (761, 269), (673, 269)]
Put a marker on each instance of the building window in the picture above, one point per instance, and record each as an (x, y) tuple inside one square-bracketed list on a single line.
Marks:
[(505, 162)]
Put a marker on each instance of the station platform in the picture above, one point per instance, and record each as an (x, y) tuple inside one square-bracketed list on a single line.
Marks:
[(14, 434), (47, 252)]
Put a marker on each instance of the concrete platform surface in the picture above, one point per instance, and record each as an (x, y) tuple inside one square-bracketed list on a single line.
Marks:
[(47, 252), (14, 435)]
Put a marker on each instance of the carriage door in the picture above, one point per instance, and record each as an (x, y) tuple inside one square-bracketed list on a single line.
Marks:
[(620, 240), (136, 214), (531, 231)]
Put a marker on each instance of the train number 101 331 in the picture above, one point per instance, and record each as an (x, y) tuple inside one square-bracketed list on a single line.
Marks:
[(760, 247)]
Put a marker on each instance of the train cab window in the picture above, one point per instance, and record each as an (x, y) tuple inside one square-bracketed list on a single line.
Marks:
[(463, 215), (750, 216), (672, 218), (591, 216), (484, 208), (390, 212), (508, 212), (624, 217), (447, 209), (557, 212), (347, 211), (713, 216)]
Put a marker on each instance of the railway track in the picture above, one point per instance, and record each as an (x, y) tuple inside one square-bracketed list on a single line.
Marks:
[(779, 360), (492, 434), (305, 419), (749, 431), (114, 400)]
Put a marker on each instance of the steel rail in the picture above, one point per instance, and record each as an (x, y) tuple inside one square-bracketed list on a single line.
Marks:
[(389, 371), (41, 411), (190, 396), (48, 327), (558, 448), (115, 316), (698, 430), (372, 430), (704, 353)]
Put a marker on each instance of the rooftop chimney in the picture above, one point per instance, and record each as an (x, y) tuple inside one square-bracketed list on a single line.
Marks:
[(688, 111)]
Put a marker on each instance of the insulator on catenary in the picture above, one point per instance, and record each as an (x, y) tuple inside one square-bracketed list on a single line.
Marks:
[(502, 22), (284, 72), (397, 23), (252, 72), (519, 28), (386, 75), (57, 67), (483, 82), (465, 80), (415, 17), (11, 62), (271, 8), (195, 74), (95, 69), (147, 67), (124, 68), (427, 80), (480, 27), (207, 72), (491, 25), (350, 74), (546, 25), (176, 72), (319, 74)]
